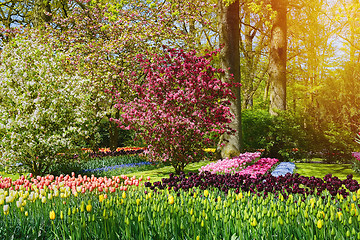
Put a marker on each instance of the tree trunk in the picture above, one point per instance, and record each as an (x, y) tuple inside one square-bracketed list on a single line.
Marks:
[(40, 8), (277, 60), (114, 133), (230, 145)]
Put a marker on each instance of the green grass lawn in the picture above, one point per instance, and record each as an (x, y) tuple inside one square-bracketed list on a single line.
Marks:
[(12, 176), (305, 169), (163, 172), (321, 169)]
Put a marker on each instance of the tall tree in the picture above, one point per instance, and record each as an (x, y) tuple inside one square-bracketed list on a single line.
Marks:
[(255, 26), (41, 12), (230, 60), (277, 60)]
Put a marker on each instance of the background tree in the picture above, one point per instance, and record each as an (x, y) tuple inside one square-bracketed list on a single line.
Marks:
[(230, 145), (278, 57)]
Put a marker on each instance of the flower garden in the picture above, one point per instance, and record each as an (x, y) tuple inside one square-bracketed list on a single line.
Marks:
[(80, 83), (227, 199)]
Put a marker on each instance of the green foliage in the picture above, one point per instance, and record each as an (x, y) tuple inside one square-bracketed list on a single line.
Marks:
[(125, 138), (290, 137), (280, 136), (255, 125)]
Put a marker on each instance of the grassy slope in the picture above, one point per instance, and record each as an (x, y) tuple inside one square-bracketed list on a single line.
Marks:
[(321, 169)]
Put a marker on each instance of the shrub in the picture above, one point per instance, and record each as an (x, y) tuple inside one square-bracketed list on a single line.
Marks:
[(281, 136)]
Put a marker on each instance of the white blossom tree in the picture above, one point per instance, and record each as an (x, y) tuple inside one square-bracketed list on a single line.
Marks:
[(42, 109)]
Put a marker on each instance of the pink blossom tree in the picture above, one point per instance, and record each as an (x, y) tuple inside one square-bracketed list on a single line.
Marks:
[(179, 104), (102, 37)]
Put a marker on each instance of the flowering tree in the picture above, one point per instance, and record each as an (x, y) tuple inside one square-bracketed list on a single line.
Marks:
[(179, 104), (42, 117), (102, 37)]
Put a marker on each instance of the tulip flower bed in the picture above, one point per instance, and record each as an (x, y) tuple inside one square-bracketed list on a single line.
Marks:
[(288, 184), (67, 207), (243, 164), (105, 152), (231, 165)]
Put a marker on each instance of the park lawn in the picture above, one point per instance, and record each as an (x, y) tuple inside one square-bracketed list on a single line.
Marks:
[(306, 169), (163, 172), (12, 176), (321, 169)]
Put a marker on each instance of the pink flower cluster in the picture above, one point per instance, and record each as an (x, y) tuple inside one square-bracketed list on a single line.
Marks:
[(356, 155), (233, 165), (260, 167)]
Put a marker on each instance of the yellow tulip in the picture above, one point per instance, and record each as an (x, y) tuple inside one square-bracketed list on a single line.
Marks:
[(26, 213), (52, 215), (124, 195), (254, 222), (206, 193), (101, 198), (138, 201), (82, 206), (88, 208), (319, 223), (42, 192), (171, 199)]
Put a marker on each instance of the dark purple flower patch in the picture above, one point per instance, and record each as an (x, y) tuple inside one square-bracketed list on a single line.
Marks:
[(288, 184)]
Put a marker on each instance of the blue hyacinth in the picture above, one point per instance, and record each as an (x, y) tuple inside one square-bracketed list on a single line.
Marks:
[(108, 168)]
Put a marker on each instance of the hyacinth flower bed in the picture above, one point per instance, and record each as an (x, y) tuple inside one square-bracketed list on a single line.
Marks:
[(231, 206), (120, 169), (106, 166)]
